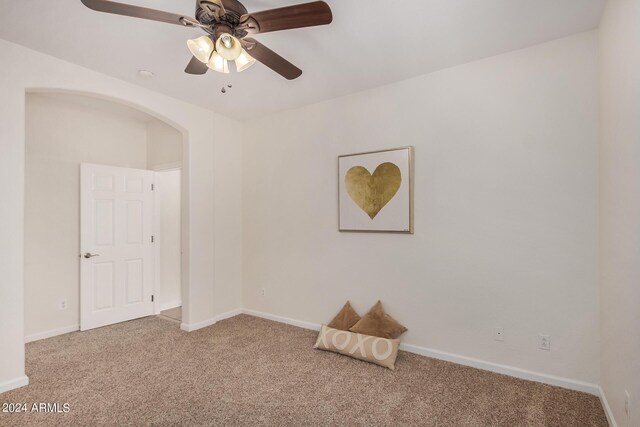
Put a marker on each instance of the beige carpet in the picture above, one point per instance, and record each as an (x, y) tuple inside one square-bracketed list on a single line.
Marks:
[(247, 371)]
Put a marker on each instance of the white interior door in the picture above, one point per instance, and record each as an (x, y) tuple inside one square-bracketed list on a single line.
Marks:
[(116, 226)]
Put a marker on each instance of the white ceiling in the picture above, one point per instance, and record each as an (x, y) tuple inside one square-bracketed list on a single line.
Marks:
[(370, 43)]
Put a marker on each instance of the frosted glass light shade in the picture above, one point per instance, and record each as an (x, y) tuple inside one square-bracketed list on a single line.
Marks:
[(244, 61), (201, 48), (228, 47), (218, 63)]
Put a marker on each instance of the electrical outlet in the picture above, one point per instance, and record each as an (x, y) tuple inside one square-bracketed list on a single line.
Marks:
[(627, 405), (263, 292), (62, 305), (498, 334), (544, 342)]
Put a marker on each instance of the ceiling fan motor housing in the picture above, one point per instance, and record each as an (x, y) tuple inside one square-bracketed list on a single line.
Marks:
[(207, 14)]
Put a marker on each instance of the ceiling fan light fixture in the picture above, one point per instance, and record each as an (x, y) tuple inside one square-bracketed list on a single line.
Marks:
[(218, 63), (201, 48), (226, 20), (244, 61), (228, 47)]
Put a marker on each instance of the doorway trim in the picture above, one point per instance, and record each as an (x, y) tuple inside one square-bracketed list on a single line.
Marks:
[(157, 232)]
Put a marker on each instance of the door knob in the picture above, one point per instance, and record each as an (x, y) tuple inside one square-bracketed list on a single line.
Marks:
[(90, 255)]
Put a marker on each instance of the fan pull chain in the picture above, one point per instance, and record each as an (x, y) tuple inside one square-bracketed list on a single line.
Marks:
[(224, 89)]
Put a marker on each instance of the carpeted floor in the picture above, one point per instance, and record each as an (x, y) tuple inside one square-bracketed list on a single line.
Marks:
[(247, 371), (173, 313)]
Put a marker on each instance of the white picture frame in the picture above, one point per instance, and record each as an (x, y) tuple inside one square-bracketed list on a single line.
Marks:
[(375, 191)]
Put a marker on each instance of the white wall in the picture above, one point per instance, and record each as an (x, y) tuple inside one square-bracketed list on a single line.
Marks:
[(168, 198), (164, 145), (505, 209), (620, 206), (211, 156), (61, 133)]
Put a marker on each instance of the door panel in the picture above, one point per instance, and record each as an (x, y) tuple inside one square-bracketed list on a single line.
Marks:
[(104, 216), (134, 184), (103, 285), (135, 281), (116, 222), (134, 221), (102, 182)]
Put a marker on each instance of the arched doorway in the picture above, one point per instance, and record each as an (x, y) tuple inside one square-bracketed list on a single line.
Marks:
[(64, 129)]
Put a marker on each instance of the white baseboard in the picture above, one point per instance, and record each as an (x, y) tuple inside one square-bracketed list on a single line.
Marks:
[(229, 314), (607, 409), (190, 327), (51, 333), (288, 321), (13, 384), (170, 305), (461, 360), (498, 368)]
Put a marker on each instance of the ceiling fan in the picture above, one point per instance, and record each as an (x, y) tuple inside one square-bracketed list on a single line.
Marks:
[(227, 24)]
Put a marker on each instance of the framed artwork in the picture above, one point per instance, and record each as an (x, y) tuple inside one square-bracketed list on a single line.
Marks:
[(376, 191)]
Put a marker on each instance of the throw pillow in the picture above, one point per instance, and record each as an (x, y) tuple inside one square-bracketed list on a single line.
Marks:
[(380, 351), (346, 318), (379, 324)]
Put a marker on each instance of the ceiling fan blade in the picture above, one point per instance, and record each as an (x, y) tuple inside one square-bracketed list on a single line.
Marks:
[(196, 67), (109, 6), (286, 18), (271, 59)]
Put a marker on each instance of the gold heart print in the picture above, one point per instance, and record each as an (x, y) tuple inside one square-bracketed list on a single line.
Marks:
[(371, 192)]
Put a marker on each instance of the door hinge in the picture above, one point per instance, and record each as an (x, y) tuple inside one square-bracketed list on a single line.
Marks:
[(151, 298), (153, 239), (153, 187)]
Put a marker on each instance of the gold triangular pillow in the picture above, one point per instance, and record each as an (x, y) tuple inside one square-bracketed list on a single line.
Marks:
[(346, 318), (378, 324)]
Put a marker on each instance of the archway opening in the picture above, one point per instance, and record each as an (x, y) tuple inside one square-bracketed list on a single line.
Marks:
[(63, 131)]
